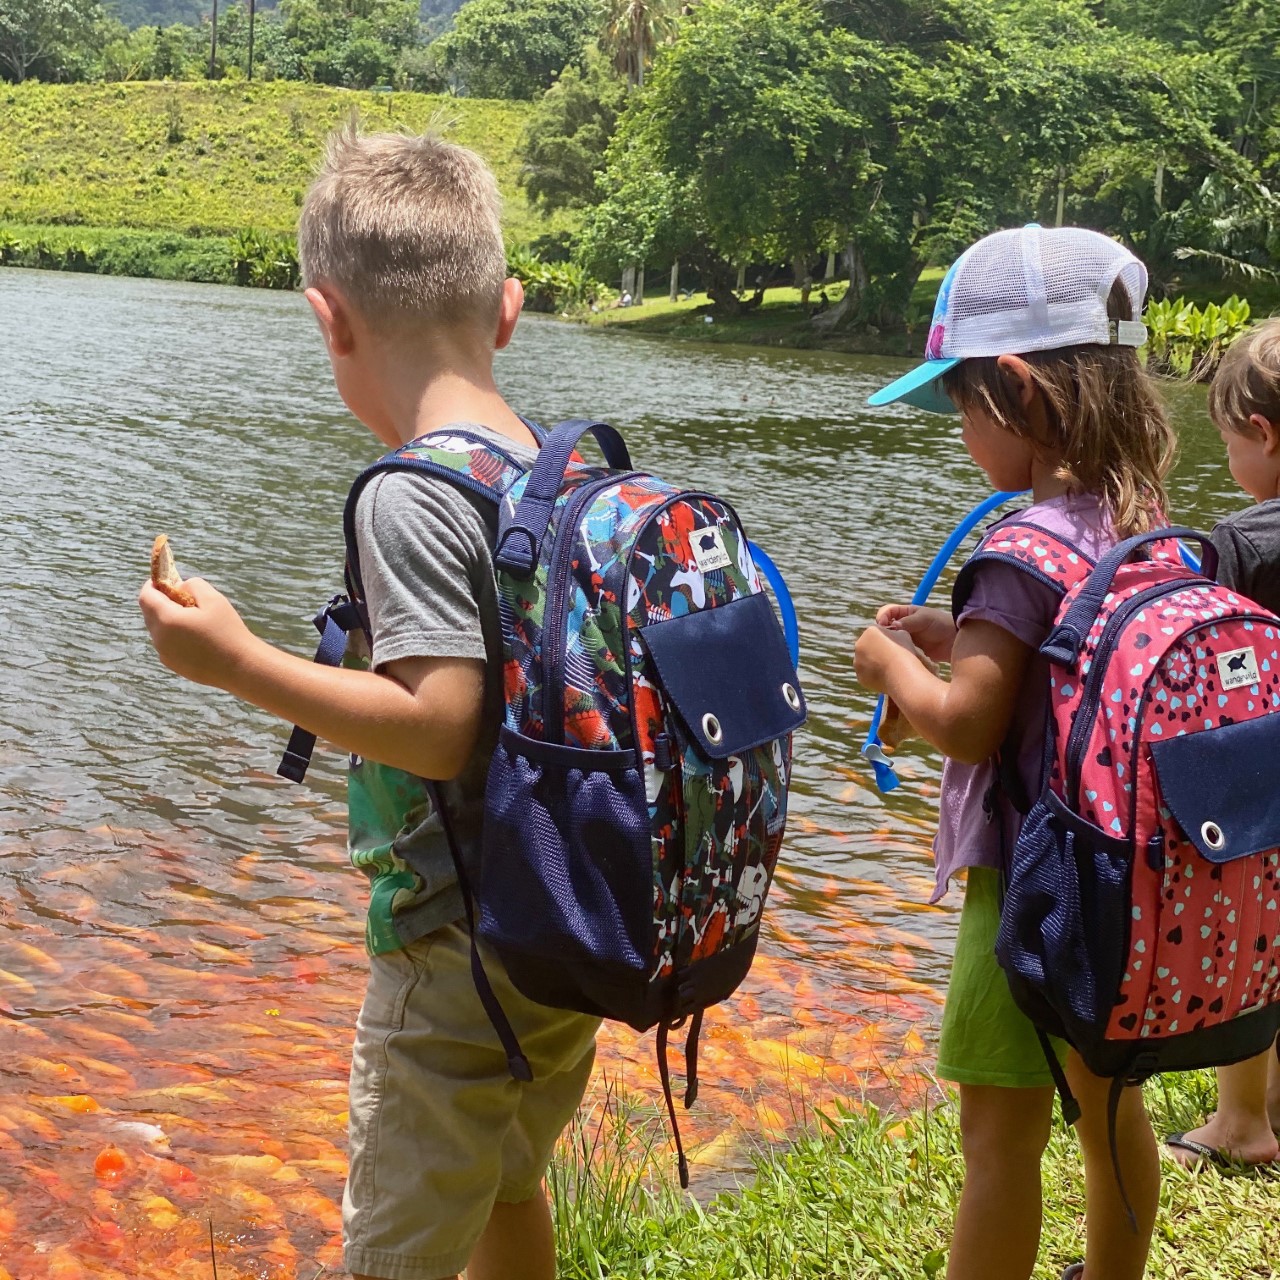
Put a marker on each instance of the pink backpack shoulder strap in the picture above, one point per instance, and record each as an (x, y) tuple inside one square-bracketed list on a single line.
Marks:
[(1045, 556)]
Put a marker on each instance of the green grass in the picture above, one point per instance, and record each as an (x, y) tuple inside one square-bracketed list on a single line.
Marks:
[(866, 1195), (215, 158), (779, 321)]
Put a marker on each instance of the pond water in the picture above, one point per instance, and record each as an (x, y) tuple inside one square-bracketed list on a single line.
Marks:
[(180, 937)]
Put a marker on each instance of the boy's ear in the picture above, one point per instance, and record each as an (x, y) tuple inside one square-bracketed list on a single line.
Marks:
[(1018, 372), (334, 318), (509, 308), (1270, 432)]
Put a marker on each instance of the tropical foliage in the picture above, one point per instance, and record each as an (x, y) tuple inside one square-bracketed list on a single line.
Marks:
[(567, 135), (1188, 341), (515, 48), (550, 286), (633, 30)]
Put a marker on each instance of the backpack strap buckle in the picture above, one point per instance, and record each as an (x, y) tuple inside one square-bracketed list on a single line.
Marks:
[(339, 617)]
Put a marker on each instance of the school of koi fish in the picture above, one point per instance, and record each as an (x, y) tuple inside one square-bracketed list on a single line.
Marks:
[(175, 1024)]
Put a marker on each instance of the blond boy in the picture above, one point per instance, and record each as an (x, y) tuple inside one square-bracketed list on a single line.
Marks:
[(1244, 403), (403, 263)]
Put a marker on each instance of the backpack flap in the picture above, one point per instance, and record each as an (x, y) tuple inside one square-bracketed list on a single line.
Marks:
[(728, 675), (1220, 786)]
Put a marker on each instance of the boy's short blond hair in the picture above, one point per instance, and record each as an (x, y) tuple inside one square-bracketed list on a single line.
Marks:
[(1248, 380), (407, 227)]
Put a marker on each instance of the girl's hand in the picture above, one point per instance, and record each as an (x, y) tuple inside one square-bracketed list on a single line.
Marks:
[(205, 642), (932, 630), (876, 652)]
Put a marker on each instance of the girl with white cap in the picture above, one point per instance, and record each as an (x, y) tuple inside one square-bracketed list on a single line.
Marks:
[(1033, 342)]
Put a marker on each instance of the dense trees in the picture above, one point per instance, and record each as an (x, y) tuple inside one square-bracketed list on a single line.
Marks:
[(44, 38), (763, 137), (775, 131), (516, 48), (567, 135)]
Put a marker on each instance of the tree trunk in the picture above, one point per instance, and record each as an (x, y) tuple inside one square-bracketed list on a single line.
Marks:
[(629, 281), (742, 277), (640, 284), (1160, 184), (898, 293), (674, 294), (213, 44), (803, 280), (830, 272), (1062, 195), (848, 310)]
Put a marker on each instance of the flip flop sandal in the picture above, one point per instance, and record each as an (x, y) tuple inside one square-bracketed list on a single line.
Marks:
[(1074, 1272), (1208, 1155)]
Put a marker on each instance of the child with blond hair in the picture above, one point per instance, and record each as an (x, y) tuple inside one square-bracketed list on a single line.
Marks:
[(403, 263), (1244, 404)]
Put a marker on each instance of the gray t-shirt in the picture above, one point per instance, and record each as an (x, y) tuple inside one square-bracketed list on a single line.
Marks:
[(426, 564), (1248, 545)]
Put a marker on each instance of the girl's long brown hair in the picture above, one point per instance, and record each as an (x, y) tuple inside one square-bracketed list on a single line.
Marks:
[(1104, 420)]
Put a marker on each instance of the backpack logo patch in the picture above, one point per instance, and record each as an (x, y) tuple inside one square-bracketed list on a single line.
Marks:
[(1238, 667), (709, 550)]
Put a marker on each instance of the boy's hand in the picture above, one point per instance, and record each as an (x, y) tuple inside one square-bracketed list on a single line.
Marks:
[(876, 652), (203, 643), (932, 630)]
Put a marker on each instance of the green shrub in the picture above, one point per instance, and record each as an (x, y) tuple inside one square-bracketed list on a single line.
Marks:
[(1187, 341), (265, 261), (550, 286)]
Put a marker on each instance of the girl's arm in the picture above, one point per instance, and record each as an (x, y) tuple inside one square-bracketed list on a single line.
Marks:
[(966, 718)]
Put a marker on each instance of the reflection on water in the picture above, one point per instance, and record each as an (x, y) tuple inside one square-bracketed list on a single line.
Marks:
[(180, 944)]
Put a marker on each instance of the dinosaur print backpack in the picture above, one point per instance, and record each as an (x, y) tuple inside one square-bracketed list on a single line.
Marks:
[(637, 797), (1141, 918)]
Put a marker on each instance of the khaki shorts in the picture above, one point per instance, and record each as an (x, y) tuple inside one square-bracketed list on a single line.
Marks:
[(439, 1129)]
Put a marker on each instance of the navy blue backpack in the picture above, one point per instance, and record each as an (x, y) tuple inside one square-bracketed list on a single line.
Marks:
[(637, 797)]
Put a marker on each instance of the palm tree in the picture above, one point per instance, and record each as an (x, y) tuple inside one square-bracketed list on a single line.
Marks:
[(633, 29)]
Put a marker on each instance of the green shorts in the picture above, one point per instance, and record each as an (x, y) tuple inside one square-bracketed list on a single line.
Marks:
[(985, 1038)]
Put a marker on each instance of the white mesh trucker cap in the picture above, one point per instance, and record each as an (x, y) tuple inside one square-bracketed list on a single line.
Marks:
[(1028, 289)]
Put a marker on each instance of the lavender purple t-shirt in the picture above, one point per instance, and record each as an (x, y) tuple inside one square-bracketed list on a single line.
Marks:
[(1024, 607)]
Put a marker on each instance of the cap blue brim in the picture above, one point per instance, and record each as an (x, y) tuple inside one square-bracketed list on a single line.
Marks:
[(922, 388)]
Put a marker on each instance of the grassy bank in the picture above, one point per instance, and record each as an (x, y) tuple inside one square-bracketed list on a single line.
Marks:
[(779, 321), (214, 158), (869, 1195)]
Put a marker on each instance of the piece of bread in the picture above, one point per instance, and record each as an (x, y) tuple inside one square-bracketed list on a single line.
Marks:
[(164, 574), (895, 728)]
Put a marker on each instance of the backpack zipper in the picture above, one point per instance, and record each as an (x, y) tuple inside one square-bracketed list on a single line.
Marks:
[(1082, 721), (553, 653)]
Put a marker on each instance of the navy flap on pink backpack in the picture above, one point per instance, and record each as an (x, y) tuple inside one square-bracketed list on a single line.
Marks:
[(729, 675), (1222, 787)]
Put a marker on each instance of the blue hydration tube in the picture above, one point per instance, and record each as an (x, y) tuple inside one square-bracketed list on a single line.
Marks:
[(773, 576), (886, 778)]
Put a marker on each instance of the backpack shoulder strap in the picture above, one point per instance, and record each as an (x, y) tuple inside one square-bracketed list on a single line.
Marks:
[(1026, 546), (462, 458)]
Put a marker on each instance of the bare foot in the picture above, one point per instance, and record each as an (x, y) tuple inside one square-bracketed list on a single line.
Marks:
[(1249, 1144)]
